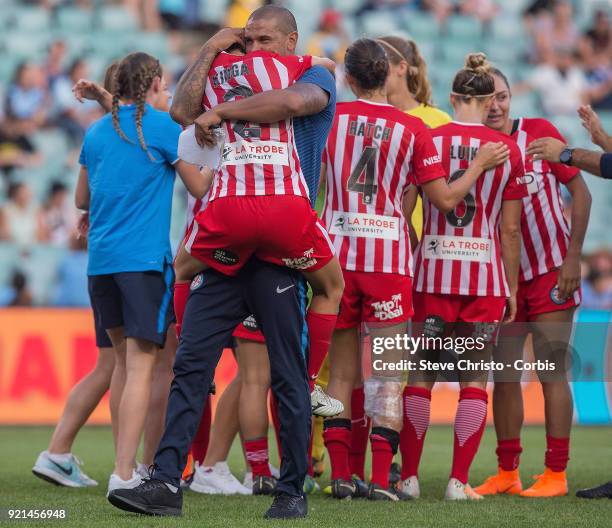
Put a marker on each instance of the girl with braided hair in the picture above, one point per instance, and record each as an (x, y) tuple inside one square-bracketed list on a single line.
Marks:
[(128, 163)]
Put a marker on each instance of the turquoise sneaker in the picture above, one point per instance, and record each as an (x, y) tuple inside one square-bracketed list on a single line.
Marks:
[(311, 485), (62, 473)]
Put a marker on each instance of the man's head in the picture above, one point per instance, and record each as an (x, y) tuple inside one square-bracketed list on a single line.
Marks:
[(271, 28)]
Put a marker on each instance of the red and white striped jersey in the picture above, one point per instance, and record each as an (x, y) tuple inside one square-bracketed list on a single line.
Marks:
[(460, 251), (545, 231), (194, 206), (258, 158), (372, 154)]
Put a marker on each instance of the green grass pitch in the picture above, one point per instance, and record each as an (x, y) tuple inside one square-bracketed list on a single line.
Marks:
[(591, 463)]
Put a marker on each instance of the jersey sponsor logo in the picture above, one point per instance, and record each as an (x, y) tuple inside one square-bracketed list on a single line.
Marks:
[(301, 263), (556, 297), (224, 256), (245, 152), (444, 247), (530, 180), (385, 310), (197, 281), (250, 323), (365, 225), (432, 160), (238, 69), (433, 326)]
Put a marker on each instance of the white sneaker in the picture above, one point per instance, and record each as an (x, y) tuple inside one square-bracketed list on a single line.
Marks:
[(274, 470), (64, 470), (217, 480), (142, 470), (411, 487), (116, 482), (247, 481), (456, 490), (323, 404)]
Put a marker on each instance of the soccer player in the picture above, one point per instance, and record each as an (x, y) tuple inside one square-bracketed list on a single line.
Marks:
[(547, 296), (466, 271), (372, 154), (130, 273)]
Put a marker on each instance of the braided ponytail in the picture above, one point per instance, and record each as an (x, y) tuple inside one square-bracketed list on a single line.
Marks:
[(132, 80)]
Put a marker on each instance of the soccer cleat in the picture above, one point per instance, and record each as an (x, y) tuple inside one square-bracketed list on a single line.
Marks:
[(287, 506), (310, 485), (395, 474), (599, 492), (378, 493), (343, 489), (361, 488), (457, 490), (62, 470), (548, 484), (324, 405), (411, 487), (217, 480), (505, 482), (263, 485), (151, 497), (116, 482)]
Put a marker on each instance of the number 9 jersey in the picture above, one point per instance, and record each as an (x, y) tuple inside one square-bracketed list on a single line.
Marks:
[(373, 152), (460, 252)]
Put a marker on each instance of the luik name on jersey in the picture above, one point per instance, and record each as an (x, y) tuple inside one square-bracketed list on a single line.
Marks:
[(301, 263), (385, 310), (229, 72), (369, 130), (462, 152)]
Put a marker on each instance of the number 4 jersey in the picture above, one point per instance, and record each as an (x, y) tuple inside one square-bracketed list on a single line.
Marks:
[(460, 251), (372, 153), (258, 158)]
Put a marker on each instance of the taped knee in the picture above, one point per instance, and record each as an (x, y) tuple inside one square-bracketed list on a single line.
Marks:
[(383, 402)]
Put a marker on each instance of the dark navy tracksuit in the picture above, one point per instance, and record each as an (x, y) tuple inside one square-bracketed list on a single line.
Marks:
[(216, 305)]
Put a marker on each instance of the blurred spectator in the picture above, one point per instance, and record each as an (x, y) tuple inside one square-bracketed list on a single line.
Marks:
[(53, 65), (551, 29), (26, 100), (58, 217), (483, 10), (596, 52), (71, 288), (330, 40), (146, 12), (19, 221), (73, 116), (239, 11), (560, 83), (597, 281), (16, 151), (16, 293)]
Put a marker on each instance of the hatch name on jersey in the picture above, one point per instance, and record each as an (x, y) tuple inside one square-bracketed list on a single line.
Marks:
[(369, 130), (228, 73), (247, 152), (365, 225), (443, 247)]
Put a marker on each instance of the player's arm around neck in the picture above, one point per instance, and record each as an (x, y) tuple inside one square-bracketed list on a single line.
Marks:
[(187, 100)]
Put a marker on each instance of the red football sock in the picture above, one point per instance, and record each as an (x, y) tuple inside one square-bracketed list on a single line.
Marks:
[(199, 446), (557, 453), (470, 422), (257, 456), (382, 455), (320, 330), (337, 438), (276, 423), (416, 404), (509, 453), (360, 431), (181, 294)]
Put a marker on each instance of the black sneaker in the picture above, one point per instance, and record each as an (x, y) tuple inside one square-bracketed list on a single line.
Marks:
[(343, 489), (395, 474), (287, 506), (151, 497), (361, 488), (376, 492), (599, 492), (263, 485)]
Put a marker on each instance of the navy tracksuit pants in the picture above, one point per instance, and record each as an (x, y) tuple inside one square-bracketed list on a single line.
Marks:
[(216, 305)]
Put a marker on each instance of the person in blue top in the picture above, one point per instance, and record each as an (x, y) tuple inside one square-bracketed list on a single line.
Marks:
[(128, 163), (217, 303)]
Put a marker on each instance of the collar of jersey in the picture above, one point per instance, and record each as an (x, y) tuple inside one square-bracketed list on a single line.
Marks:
[(468, 124), (373, 103)]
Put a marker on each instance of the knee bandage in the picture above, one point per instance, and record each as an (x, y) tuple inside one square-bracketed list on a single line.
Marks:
[(383, 401)]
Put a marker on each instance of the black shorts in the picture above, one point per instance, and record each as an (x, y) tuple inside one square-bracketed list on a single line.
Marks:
[(139, 301), (102, 339)]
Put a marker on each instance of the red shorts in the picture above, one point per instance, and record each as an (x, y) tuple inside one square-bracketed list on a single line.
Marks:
[(374, 298), (539, 295), (439, 313), (283, 230), (249, 330)]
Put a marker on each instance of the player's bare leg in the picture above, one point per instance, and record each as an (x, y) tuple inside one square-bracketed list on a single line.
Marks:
[(118, 378)]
